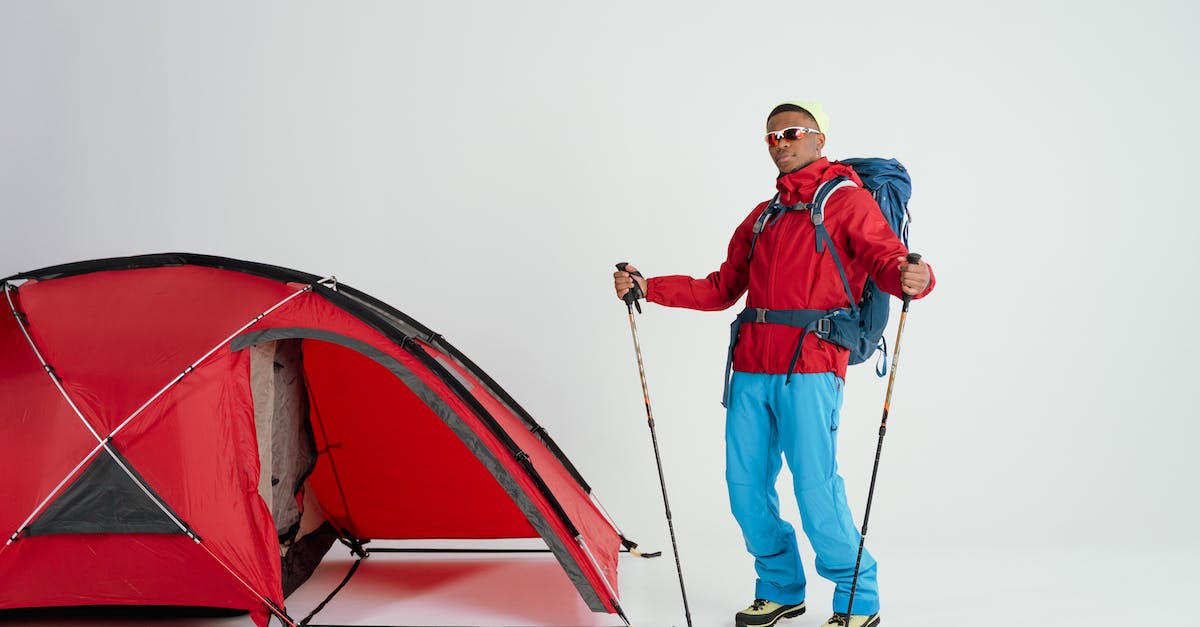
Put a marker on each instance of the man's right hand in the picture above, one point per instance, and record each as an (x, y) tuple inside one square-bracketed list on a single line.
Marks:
[(623, 281)]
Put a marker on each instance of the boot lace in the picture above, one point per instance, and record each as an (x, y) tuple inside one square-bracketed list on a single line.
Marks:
[(758, 604), (839, 619)]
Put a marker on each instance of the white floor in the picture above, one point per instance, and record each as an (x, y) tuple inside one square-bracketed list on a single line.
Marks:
[(977, 587)]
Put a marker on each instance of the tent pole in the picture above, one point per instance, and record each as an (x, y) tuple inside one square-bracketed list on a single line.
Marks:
[(274, 609), (22, 321), (612, 594)]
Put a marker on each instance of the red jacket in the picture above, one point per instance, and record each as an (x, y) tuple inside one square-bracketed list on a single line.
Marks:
[(788, 273)]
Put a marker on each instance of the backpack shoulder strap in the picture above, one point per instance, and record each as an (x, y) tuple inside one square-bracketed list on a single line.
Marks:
[(822, 234), (820, 198), (772, 207)]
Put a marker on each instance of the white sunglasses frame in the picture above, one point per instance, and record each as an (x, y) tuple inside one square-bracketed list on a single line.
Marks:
[(779, 134)]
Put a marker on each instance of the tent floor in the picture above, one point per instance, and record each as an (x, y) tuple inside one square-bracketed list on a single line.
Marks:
[(1096, 585), (391, 588)]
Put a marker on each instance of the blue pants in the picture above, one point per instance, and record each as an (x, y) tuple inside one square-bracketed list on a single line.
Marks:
[(768, 420)]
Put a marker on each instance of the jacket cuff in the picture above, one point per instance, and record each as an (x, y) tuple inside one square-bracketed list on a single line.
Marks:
[(928, 288)]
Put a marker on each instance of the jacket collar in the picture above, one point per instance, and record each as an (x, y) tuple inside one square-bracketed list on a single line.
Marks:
[(801, 185)]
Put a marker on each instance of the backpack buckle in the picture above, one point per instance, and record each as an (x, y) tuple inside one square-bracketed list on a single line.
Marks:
[(760, 315), (823, 326)]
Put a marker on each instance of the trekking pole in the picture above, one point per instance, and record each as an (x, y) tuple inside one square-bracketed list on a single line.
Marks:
[(887, 401), (631, 300)]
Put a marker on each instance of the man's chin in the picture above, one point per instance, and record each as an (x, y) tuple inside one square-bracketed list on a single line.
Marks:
[(787, 166)]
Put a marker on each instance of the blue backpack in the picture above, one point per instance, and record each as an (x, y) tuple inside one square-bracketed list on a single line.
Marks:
[(888, 182), (859, 327)]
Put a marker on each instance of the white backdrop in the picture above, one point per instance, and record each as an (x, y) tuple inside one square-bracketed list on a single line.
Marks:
[(482, 165)]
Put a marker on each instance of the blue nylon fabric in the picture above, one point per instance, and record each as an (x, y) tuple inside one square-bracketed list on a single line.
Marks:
[(769, 421), (889, 183)]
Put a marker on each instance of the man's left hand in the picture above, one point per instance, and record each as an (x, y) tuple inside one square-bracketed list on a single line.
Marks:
[(914, 277)]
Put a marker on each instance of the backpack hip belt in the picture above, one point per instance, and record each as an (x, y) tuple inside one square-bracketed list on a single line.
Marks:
[(823, 322)]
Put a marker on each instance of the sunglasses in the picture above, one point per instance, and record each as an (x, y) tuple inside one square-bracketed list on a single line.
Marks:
[(791, 133)]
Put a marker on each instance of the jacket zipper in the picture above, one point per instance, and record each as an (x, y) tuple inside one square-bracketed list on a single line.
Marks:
[(770, 287)]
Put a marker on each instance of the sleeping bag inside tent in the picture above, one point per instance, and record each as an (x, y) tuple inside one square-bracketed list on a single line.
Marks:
[(188, 430)]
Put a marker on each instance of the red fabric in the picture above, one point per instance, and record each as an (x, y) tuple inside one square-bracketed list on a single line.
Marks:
[(43, 439), (786, 271), (594, 528), (586, 518), (198, 449), (381, 516), (114, 569), (430, 486), (116, 338)]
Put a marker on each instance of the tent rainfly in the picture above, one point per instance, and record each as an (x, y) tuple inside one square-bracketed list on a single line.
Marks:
[(176, 423)]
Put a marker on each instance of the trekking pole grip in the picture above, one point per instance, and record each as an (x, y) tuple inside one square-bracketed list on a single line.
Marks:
[(635, 292), (910, 258)]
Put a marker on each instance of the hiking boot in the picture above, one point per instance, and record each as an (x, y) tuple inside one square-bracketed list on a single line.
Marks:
[(857, 620), (763, 613)]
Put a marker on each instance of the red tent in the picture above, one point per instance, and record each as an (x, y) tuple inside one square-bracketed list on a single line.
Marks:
[(174, 423)]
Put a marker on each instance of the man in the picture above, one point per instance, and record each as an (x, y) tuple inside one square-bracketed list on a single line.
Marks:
[(783, 405)]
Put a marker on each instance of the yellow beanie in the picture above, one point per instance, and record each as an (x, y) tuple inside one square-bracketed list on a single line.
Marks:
[(817, 111)]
